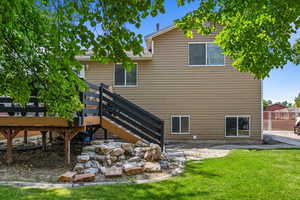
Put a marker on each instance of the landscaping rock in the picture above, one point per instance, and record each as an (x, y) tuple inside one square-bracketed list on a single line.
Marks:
[(113, 158), (91, 171), (79, 167), (112, 172), (88, 164), (99, 158), (89, 148), (177, 171), (134, 159), (133, 168), (97, 142), (83, 158), (84, 177), (141, 144), (67, 177), (127, 147), (152, 167), (117, 152), (164, 164)]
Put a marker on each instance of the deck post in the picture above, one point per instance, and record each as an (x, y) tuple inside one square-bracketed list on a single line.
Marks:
[(50, 137), (9, 147), (25, 141), (105, 134), (67, 148), (44, 140)]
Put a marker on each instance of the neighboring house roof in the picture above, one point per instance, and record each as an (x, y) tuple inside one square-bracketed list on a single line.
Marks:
[(146, 55), (274, 107)]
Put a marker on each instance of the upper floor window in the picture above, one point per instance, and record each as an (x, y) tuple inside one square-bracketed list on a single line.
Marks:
[(202, 54), (124, 78)]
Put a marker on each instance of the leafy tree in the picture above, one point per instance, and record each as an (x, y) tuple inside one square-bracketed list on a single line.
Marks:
[(40, 39), (256, 32), (265, 104), (297, 101)]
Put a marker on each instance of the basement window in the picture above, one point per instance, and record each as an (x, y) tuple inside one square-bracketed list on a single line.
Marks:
[(124, 78), (237, 126), (205, 54), (180, 124)]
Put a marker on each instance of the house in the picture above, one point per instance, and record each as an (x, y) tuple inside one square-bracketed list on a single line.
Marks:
[(189, 84), (274, 107)]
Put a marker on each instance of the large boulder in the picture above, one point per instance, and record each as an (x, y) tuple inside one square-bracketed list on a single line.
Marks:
[(67, 177), (133, 168), (84, 177)]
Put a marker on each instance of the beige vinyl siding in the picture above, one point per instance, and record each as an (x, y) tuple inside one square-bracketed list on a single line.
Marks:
[(167, 86)]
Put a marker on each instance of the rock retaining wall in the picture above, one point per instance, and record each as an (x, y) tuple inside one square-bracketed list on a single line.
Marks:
[(111, 159)]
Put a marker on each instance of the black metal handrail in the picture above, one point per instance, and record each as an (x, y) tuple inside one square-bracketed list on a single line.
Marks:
[(131, 116)]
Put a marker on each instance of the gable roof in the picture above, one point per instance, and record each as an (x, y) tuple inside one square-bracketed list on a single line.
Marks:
[(148, 38)]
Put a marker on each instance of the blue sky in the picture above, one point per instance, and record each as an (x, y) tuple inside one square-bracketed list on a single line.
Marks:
[(283, 84)]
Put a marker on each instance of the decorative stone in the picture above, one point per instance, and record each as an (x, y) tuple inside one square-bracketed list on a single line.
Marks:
[(134, 159), (93, 164), (118, 164), (89, 148), (83, 158), (79, 167), (132, 168), (84, 177), (176, 171), (112, 172), (117, 152), (113, 158), (152, 167), (164, 164), (121, 158), (91, 170), (88, 164), (97, 142), (127, 147), (67, 177), (141, 144), (99, 158)]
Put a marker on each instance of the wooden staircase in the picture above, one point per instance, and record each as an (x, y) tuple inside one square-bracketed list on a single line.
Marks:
[(122, 117)]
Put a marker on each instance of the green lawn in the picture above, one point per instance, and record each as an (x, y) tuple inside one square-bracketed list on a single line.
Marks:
[(267, 174)]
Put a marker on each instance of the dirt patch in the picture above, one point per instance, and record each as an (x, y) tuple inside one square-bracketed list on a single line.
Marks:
[(37, 165)]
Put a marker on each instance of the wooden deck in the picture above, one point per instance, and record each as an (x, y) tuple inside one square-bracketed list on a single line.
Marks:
[(10, 126)]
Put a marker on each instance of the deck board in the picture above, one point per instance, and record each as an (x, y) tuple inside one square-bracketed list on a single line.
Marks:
[(19, 121)]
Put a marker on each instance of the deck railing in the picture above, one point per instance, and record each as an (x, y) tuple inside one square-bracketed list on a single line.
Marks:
[(98, 100)]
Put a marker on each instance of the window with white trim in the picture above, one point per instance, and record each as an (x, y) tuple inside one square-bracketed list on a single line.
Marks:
[(125, 78), (205, 54), (180, 124), (237, 126)]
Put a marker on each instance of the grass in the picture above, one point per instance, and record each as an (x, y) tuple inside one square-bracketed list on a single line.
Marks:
[(267, 174)]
